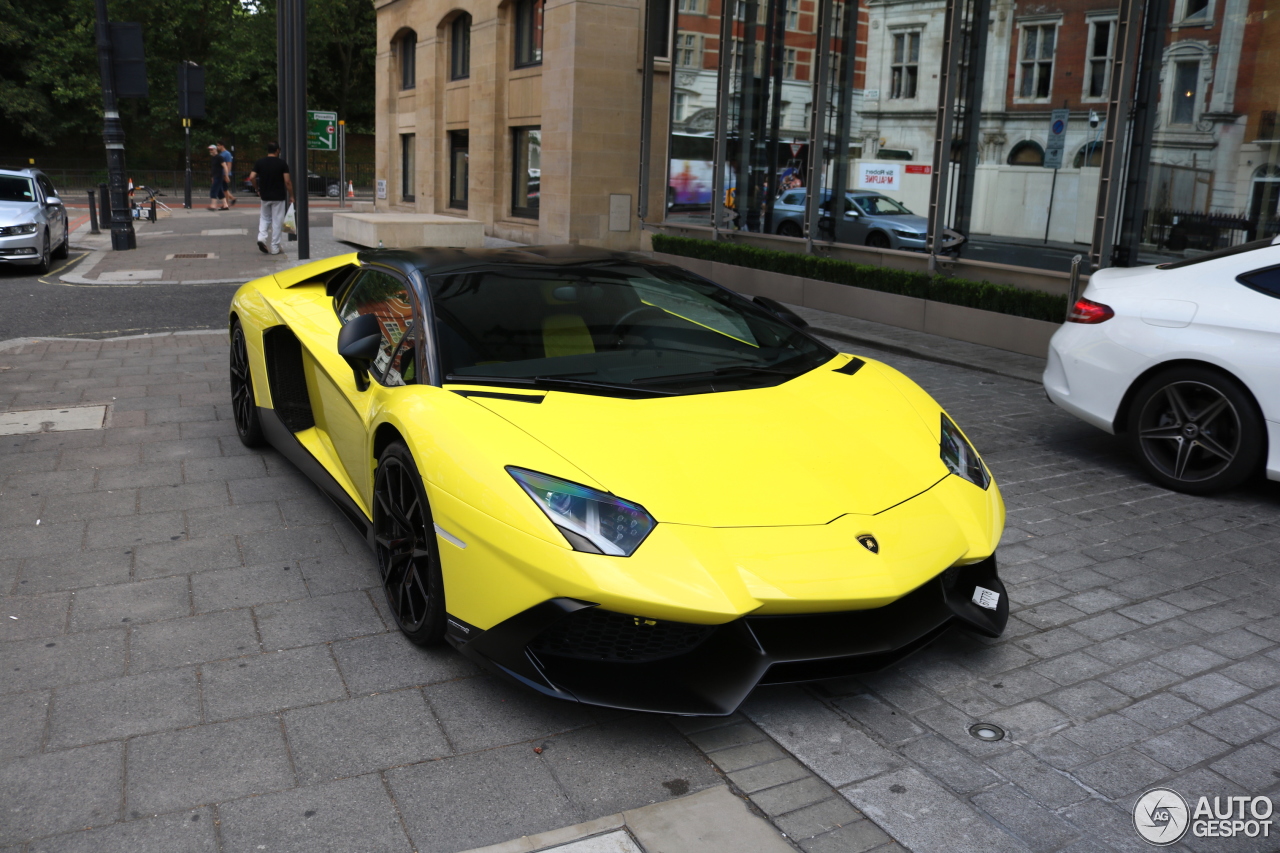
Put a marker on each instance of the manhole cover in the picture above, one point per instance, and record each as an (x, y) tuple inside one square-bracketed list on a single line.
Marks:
[(191, 256), (52, 420)]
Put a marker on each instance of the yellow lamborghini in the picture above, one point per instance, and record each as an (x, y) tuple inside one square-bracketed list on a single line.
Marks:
[(615, 481)]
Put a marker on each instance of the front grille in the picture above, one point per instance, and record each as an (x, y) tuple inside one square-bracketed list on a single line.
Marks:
[(595, 634)]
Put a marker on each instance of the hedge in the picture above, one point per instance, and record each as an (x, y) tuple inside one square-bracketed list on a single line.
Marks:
[(1001, 298)]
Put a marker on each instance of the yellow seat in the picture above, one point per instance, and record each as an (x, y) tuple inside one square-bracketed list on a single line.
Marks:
[(566, 334)]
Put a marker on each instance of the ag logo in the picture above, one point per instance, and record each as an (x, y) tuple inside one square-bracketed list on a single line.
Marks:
[(869, 542), (1160, 816)]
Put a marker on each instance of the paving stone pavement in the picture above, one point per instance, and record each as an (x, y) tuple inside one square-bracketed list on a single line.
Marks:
[(202, 661)]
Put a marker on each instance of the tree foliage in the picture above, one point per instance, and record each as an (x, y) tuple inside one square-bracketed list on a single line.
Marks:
[(51, 96)]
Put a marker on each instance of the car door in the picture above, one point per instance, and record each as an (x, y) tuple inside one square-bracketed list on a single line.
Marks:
[(344, 411), (853, 225), (54, 212)]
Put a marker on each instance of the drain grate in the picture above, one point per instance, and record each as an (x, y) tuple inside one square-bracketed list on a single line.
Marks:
[(191, 256)]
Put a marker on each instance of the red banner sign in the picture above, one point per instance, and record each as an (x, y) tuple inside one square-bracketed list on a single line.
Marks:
[(919, 170)]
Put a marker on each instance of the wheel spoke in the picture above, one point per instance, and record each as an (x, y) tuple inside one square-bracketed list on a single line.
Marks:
[(1211, 411), (1184, 456), (1176, 404), (1211, 444), (1170, 432)]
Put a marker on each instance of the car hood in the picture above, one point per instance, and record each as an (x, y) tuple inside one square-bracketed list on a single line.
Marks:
[(804, 452), (909, 222), (17, 212)]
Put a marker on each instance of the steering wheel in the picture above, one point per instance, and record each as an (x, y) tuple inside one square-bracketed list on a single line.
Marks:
[(630, 318)]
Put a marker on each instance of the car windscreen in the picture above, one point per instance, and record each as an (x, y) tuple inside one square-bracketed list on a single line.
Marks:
[(879, 205), (1220, 253), (14, 188), (615, 329)]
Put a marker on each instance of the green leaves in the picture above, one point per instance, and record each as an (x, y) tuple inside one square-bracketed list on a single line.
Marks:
[(1001, 298)]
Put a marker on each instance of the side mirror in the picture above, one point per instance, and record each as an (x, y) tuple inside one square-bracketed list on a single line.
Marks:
[(777, 308), (53, 201), (359, 343)]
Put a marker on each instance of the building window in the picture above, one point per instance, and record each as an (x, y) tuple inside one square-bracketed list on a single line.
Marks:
[(793, 14), (460, 47), (681, 107), (1186, 80), (408, 60), (688, 50), (738, 48), (905, 68), (458, 168), (1193, 10), (1036, 65), (407, 169), (689, 7), (789, 64), (529, 32), (1102, 44), (1026, 153), (526, 178)]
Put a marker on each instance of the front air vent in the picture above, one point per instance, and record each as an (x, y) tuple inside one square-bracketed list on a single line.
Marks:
[(595, 634), (287, 379), (854, 365)]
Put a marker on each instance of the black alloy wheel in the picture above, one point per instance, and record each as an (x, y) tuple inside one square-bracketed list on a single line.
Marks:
[(790, 229), (243, 405), (878, 240), (408, 553), (1195, 430), (45, 256)]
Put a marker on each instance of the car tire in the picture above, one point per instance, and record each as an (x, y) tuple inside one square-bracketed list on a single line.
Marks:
[(46, 256), (407, 548), (64, 248), (790, 229), (244, 407), (878, 240), (1196, 430)]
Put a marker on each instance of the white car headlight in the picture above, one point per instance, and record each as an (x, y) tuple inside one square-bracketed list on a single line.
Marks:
[(960, 457), (591, 520), (13, 230)]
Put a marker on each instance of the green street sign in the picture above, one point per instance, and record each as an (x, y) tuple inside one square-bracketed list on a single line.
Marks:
[(322, 131)]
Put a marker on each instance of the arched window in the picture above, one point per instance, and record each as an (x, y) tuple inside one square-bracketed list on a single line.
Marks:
[(1026, 153), (1090, 154), (460, 47), (407, 48)]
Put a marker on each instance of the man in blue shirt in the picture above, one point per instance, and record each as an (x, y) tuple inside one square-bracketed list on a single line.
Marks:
[(229, 175)]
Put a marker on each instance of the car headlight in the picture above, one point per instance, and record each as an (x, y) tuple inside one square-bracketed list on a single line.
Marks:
[(11, 230), (908, 235), (592, 521), (960, 457)]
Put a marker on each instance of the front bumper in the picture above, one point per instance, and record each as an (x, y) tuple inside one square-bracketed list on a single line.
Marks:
[(21, 248), (572, 650)]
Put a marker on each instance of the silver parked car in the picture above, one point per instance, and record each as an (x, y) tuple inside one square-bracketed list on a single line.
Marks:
[(33, 221), (870, 219)]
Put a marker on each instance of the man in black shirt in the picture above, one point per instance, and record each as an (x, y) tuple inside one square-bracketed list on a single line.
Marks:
[(270, 177)]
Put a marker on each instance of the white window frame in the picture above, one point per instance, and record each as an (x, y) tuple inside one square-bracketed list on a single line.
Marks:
[(1090, 58), (1040, 24), (790, 61), (688, 42), (1171, 78), (793, 15), (691, 7), (1180, 14), (906, 32)]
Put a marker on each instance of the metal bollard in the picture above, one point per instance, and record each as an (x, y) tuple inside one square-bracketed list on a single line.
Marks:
[(93, 215), (1073, 293), (152, 215), (104, 205)]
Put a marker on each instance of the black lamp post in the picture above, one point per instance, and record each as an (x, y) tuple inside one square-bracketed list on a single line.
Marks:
[(122, 236)]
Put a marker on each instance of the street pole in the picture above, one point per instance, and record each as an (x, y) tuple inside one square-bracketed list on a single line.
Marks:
[(342, 163), (1053, 188), (186, 185), (299, 85), (122, 235)]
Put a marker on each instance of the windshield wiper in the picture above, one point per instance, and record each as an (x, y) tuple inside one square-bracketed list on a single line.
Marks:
[(553, 382), (712, 374)]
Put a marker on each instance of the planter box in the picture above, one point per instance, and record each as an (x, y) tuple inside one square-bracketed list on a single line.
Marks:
[(408, 230), (989, 328)]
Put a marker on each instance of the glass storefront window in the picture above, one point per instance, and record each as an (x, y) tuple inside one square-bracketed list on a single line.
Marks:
[(459, 165), (526, 178), (528, 37)]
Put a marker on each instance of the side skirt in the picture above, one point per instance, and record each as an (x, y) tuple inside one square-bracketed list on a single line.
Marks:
[(282, 439)]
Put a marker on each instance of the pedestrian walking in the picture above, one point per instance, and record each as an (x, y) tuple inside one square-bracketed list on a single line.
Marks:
[(230, 177), (217, 180), (270, 177)]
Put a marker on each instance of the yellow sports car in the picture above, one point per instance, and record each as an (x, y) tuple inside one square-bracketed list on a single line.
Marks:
[(615, 481)]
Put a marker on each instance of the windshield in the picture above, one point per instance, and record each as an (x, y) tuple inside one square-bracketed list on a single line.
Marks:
[(1220, 253), (879, 205), (612, 329), (13, 188)]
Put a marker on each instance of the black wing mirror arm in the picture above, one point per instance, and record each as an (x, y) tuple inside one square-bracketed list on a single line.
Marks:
[(359, 343)]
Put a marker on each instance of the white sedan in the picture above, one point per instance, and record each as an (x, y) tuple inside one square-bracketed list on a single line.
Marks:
[(1183, 360)]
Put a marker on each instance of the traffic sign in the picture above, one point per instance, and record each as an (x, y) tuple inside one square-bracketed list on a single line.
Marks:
[(1057, 139), (322, 131)]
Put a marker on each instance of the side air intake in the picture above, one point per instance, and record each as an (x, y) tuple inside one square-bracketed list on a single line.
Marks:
[(288, 380)]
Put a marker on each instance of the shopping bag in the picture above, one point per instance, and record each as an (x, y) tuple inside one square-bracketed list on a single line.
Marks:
[(290, 221)]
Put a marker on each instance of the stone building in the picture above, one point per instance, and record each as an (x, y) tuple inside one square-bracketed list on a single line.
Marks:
[(522, 114)]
